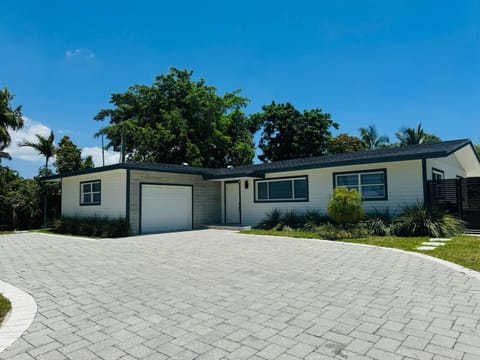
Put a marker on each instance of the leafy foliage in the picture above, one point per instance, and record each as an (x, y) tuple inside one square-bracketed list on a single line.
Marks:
[(10, 118), (177, 120), (477, 149), (344, 143), (92, 226), (69, 157), (419, 220), (345, 206), (371, 139), (289, 134), (20, 201)]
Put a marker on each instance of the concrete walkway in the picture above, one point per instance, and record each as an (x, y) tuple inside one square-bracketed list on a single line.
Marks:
[(220, 295)]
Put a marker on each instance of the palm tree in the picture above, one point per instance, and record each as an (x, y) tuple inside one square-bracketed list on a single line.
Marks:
[(45, 146), (4, 155), (9, 118), (411, 136), (370, 138)]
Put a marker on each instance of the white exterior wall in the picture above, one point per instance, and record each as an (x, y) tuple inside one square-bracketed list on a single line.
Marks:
[(113, 195), (449, 165), (404, 187)]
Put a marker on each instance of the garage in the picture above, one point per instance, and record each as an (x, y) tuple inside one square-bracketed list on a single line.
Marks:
[(165, 208)]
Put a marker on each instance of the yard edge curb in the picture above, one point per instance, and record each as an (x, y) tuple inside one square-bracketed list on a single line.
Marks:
[(20, 317), (451, 265)]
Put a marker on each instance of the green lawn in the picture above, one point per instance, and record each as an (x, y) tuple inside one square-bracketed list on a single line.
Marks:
[(5, 307), (463, 250)]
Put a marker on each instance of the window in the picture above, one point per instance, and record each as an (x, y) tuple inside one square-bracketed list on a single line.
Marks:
[(90, 193), (437, 174), (371, 185), (282, 189)]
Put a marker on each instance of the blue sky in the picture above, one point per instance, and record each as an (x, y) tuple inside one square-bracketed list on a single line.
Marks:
[(388, 63)]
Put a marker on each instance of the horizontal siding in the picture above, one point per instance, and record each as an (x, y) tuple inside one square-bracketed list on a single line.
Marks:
[(450, 165), (206, 196), (404, 183), (113, 195)]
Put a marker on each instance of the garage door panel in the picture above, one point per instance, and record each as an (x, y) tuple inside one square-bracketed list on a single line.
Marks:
[(166, 208)]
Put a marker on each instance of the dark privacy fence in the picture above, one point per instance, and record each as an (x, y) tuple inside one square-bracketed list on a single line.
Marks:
[(460, 197)]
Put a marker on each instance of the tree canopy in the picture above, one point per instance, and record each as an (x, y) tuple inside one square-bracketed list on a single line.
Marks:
[(344, 143), (10, 118), (289, 134), (178, 119), (69, 157)]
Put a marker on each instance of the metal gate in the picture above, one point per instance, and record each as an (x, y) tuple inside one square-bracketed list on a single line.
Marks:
[(460, 197)]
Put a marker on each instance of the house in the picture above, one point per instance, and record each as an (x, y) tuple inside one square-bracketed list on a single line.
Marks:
[(163, 197)]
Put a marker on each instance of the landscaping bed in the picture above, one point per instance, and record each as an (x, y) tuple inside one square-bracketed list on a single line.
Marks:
[(5, 307)]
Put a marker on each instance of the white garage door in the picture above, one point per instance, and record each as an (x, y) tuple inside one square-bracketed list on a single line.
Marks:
[(166, 208)]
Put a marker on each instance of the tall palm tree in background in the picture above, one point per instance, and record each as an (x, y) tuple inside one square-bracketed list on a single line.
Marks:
[(45, 146), (411, 136), (10, 119), (370, 138)]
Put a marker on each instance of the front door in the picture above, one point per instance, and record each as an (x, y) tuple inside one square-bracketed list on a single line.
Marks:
[(232, 203)]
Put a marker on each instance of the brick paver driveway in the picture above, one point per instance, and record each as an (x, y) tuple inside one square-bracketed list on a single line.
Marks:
[(216, 294)]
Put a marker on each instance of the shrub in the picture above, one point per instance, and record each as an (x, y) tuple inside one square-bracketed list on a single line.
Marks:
[(92, 226), (5, 307), (376, 226), (418, 220), (311, 219), (290, 220), (271, 220), (332, 232), (345, 206)]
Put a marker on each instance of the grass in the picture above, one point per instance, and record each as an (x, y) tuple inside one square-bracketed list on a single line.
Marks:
[(5, 307), (462, 250)]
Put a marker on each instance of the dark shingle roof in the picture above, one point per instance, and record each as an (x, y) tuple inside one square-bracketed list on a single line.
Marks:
[(411, 152)]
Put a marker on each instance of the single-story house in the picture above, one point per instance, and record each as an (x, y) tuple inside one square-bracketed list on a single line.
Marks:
[(164, 197)]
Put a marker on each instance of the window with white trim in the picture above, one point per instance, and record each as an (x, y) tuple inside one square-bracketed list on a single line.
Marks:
[(282, 189), (437, 175), (370, 184), (90, 193)]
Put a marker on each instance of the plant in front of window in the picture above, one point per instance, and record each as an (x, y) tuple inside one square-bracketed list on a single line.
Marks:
[(345, 206)]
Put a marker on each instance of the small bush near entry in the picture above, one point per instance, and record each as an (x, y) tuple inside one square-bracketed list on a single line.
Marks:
[(377, 226), (271, 220), (345, 206), (92, 226), (419, 220), (5, 307)]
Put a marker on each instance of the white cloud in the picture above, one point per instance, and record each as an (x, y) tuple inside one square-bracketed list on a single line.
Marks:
[(82, 53), (111, 157), (28, 132)]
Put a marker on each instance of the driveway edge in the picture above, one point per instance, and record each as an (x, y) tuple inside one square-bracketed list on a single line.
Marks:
[(446, 263), (20, 317)]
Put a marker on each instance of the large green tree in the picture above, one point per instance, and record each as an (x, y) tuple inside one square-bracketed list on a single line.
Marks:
[(371, 139), (344, 143), (10, 118), (178, 119), (288, 133), (69, 157), (20, 201)]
